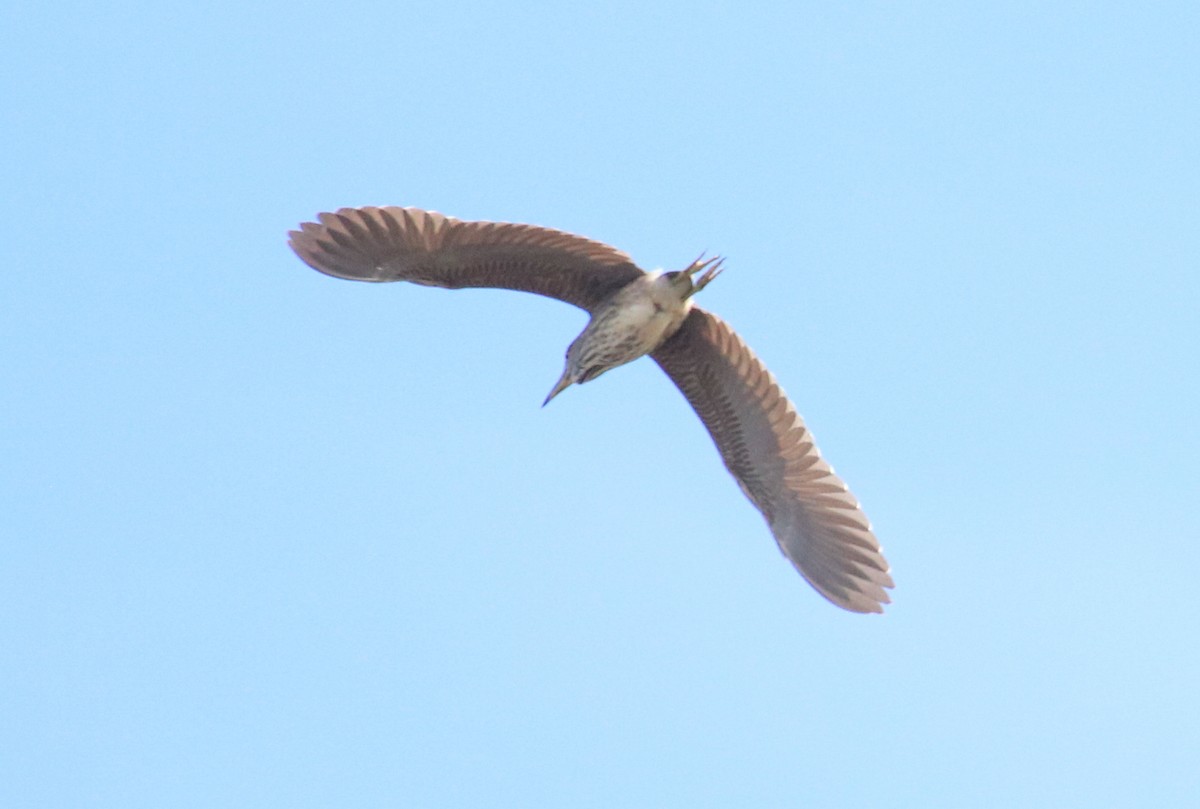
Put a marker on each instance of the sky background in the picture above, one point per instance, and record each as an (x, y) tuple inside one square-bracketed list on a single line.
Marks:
[(269, 538)]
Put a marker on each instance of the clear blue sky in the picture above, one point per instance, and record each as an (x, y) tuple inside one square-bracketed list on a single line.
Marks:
[(273, 539)]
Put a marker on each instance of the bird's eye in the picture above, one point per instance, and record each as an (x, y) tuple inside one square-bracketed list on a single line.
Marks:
[(671, 276)]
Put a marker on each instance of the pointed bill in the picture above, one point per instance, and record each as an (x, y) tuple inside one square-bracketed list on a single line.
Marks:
[(563, 383)]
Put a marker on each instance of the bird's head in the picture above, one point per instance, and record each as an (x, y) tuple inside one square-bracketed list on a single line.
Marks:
[(685, 285), (578, 369)]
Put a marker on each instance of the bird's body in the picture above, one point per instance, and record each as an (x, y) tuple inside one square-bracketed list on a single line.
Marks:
[(763, 442), (634, 321)]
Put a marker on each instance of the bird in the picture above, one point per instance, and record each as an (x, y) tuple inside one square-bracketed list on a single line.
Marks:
[(818, 524)]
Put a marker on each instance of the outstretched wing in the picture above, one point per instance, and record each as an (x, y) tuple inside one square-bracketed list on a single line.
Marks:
[(408, 244), (816, 521)]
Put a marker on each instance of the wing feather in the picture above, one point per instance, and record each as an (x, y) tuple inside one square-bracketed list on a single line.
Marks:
[(409, 244), (766, 446)]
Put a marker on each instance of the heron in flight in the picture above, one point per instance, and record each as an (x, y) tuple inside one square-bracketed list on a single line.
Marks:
[(817, 523)]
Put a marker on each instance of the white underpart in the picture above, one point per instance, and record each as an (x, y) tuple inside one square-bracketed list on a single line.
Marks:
[(651, 309)]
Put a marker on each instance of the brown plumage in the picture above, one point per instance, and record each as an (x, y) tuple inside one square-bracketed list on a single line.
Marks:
[(762, 440)]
